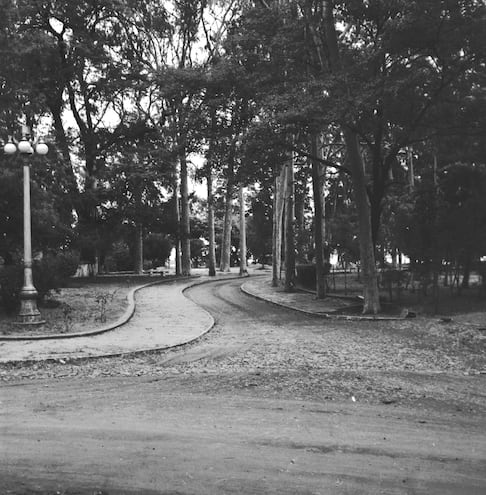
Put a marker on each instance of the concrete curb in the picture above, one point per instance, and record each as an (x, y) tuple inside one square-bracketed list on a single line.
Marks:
[(326, 315), (127, 315)]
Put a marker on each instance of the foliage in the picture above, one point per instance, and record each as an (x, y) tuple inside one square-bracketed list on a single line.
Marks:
[(306, 275), (344, 239), (132, 88), (463, 215), (157, 248), (444, 219), (198, 252), (103, 299), (259, 227), (51, 209), (119, 258), (50, 273), (11, 281)]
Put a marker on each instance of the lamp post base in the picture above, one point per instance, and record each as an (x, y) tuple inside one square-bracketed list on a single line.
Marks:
[(29, 314)]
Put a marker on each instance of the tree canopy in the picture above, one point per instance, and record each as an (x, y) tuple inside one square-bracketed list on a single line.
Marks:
[(381, 101)]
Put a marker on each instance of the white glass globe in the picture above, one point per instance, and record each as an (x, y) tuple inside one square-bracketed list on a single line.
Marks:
[(41, 148), (10, 148), (24, 146)]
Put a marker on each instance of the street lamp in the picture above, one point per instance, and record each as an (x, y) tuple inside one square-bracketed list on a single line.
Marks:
[(29, 314)]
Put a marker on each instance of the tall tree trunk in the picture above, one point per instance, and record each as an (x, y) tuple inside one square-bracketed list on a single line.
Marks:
[(138, 252), (278, 208), (411, 173), (212, 246), (185, 225), (289, 229), (275, 232), (466, 273), (322, 194), (178, 230), (300, 226), (243, 265), (371, 294), (368, 267), (318, 216), (225, 263)]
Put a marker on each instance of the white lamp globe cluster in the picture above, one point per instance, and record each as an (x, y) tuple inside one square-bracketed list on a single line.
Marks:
[(25, 147)]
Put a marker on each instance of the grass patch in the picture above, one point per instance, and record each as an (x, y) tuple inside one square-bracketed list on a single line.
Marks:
[(80, 308)]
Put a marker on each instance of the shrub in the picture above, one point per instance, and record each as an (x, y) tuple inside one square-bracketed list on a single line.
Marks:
[(11, 281), (120, 258), (46, 276), (49, 273), (68, 263), (306, 275), (157, 248), (482, 272), (53, 271)]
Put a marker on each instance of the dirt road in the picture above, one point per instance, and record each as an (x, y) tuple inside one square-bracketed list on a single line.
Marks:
[(269, 403), (142, 436)]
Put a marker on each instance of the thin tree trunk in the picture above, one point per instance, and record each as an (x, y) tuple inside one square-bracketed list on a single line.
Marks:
[(243, 265), (225, 262), (275, 232), (212, 246), (185, 225), (278, 208), (318, 215), (138, 265), (435, 289), (178, 231), (325, 241), (322, 191), (289, 229), (411, 173), (466, 273), (226, 244), (300, 226)]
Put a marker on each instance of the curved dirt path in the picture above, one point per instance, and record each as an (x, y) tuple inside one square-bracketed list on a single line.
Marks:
[(163, 318)]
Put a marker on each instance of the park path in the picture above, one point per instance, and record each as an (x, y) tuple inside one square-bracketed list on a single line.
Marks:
[(163, 318)]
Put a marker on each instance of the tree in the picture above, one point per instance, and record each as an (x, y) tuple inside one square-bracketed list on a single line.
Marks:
[(83, 66), (260, 226), (242, 250), (157, 248), (179, 79)]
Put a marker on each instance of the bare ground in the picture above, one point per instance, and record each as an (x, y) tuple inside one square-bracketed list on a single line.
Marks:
[(270, 401), (277, 352)]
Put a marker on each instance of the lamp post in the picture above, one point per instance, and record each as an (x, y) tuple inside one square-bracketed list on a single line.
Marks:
[(29, 314)]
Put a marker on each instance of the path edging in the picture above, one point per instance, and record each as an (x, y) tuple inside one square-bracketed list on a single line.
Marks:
[(74, 359), (124, 318), (244, 288)]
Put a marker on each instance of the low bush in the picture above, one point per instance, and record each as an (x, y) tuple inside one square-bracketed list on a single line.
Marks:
[(67, 263), (49, 273), (306, 275), (120, 259), (11, 281)]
